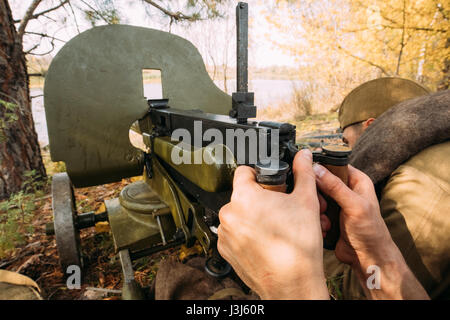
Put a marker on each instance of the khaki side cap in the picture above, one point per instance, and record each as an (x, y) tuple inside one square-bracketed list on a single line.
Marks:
[(374, 97)]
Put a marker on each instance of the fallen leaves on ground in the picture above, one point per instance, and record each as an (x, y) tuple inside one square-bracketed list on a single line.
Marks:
[(38, 259)]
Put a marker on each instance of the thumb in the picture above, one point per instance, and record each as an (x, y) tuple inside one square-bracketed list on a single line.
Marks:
[(304, 180), (244, 178)]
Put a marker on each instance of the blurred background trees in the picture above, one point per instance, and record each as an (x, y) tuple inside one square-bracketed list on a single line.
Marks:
[(342, 43)]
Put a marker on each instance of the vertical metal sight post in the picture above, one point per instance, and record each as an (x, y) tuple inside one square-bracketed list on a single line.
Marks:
[(242, 46), (243, 101)]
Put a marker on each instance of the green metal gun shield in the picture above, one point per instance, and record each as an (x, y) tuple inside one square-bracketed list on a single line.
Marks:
[(94, 93)]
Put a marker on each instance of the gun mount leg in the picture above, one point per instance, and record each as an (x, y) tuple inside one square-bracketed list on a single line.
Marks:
[(130, 290), (64, 215)]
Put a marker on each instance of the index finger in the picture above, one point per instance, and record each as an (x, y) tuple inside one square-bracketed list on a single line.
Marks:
[(360, 183), (334, 187)]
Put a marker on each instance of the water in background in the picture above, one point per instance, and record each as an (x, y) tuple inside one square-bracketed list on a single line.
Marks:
[(40, 123), (267, 93)]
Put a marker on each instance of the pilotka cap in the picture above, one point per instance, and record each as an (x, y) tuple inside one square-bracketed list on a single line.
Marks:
[(374, 97)]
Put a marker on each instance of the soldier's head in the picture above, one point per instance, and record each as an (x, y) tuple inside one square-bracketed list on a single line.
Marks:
[(368, 101)]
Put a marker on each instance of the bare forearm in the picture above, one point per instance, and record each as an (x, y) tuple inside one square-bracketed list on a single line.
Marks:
[(396, 281)]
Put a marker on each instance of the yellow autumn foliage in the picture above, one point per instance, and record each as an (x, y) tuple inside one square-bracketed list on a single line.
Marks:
[(338, 44)]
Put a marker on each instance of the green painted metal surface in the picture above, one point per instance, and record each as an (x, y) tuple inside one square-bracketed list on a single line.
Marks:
[(136, 231), (94, 92), (132, 218), (180, 206), (212, 175)]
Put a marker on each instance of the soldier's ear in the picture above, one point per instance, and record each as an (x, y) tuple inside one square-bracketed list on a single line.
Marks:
[(367, 123)]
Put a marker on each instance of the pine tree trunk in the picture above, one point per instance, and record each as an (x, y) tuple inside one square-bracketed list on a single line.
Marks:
[(19, 148)]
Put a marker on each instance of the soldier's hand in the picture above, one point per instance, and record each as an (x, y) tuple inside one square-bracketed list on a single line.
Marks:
[(274, 240), (363, 230), (365, 240)]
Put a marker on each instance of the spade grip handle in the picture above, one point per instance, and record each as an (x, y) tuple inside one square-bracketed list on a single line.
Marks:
[(272, 176), (333, 209), (335, 158)]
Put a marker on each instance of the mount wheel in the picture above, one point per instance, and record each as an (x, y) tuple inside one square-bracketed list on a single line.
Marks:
[(64, 213)]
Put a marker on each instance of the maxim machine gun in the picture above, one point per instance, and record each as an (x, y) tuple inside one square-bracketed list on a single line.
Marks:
[(194, 139)]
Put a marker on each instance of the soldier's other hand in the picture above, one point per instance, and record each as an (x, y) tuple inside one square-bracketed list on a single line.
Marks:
[(274, 240), (363, 231), (365, 241)]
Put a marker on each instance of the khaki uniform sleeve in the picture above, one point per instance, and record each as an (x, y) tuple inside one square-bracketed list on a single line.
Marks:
[(415, 205)]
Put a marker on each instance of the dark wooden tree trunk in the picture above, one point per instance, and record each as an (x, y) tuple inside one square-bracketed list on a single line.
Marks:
[(19, 148)]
